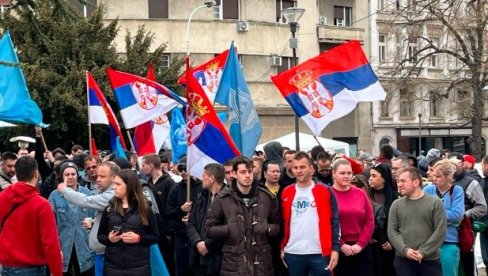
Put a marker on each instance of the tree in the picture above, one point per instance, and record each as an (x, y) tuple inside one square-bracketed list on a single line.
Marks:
[(56, 45), (456, 32)]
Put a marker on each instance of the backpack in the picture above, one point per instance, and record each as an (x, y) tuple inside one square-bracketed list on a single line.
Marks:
[(466, 235), (465, 230)]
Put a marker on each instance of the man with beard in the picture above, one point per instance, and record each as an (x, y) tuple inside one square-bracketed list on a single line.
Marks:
[(324, 168), (7, 170)]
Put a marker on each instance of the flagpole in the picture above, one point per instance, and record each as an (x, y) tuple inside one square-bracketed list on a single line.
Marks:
[(132, 148), (208, 4), (88, 105)]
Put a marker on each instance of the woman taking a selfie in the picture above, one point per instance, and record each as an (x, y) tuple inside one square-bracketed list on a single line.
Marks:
[(127, 228)]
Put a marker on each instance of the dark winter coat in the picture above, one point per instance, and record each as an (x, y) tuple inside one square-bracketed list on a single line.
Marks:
[(195, 232), (176, 198), (124, 258), (244, 229), (161, 191)]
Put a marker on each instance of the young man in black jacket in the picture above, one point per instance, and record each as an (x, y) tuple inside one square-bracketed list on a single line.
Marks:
[(178, 208), (161, 183), (205, 254)]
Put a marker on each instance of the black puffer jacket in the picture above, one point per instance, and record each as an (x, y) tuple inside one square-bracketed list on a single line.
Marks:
[(124, 258)]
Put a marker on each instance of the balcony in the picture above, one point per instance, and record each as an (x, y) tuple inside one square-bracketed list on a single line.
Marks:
[(339, 34)]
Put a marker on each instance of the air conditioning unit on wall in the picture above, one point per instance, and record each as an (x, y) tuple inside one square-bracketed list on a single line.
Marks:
[(276, 61), (242, 26), (322, 20)]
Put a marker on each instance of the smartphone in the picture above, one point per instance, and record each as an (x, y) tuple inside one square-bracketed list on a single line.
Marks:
[(117, 228)]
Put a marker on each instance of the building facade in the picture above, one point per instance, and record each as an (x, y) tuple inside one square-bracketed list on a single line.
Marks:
[(261, 36), (421, 108)]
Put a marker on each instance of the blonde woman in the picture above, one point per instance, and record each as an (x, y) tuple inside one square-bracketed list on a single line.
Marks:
[(452, 197), (356, 223)]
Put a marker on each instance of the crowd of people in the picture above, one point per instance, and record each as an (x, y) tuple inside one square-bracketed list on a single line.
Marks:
[(281, 212)]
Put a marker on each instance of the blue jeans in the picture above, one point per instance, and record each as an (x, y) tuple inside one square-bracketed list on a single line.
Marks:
[(24, 271), (313, 264)]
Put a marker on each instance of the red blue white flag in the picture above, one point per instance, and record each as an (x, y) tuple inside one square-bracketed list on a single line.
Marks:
[(150, 136), (209, 74), (141, 99), (329, 86), (208, 140), (100, 111)]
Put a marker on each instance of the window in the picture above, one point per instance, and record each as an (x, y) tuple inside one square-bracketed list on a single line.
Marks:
[(385, 112), (286, 63), (435, 104), (342, 16), (229, 9), (381, 4), (83, 9), (158, 8), (406, 103), (412, 50), (382, 48), (165, 61), (282, 5), (434, 61)]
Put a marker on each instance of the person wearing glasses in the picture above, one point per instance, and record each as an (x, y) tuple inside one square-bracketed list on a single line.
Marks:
[(89, 178), (78, 258), (324, 168), (382, 193), (356, 223)]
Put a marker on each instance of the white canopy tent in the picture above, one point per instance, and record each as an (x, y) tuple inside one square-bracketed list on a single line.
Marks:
[(307, 142), (6, 124)]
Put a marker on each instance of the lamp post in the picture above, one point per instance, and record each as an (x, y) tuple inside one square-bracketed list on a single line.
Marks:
[(207, 4), (420, 134), (292, 15)]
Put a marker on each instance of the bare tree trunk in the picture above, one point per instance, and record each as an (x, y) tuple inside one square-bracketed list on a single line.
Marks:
[(477, 123)]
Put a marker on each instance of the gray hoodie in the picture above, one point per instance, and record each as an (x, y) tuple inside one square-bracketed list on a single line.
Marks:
[(96, 202)]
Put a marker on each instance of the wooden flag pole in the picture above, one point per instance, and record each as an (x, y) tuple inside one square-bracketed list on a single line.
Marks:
[(132, 148)]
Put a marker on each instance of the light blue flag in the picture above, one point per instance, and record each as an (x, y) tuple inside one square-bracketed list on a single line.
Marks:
[(119, 150), (244, 126), (177, 134), (16, 104)]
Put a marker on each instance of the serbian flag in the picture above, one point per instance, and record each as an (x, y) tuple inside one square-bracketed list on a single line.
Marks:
[(209, 74), (94, 150), (329, 86), (149, 137), (208, 140), (141, 99), (100, 111)]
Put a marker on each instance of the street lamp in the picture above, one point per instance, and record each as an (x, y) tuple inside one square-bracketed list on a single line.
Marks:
[(206, 4), (420, 133), (292, 15)]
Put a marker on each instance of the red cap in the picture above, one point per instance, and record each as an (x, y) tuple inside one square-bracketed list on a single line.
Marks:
[(469, 158)]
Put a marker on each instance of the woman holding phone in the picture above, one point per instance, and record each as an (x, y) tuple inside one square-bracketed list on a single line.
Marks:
[(127, 228)]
